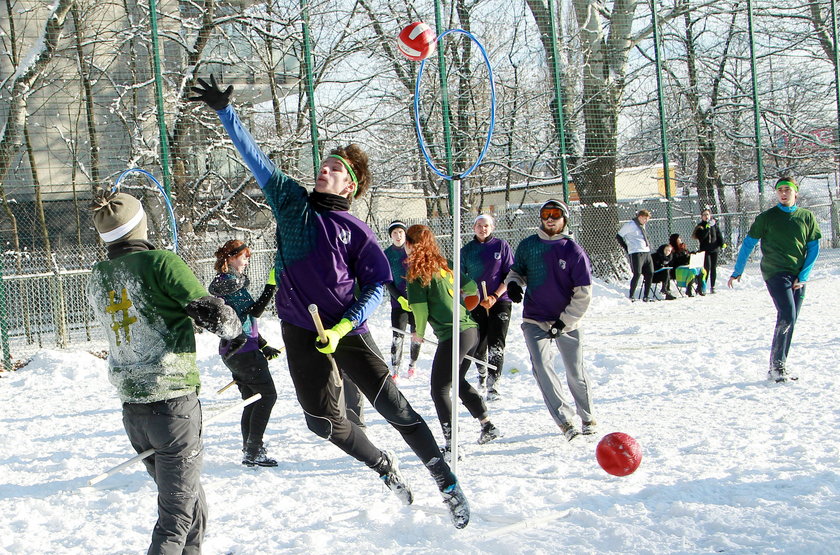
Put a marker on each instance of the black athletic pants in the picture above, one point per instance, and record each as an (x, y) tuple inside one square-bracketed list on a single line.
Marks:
[(322, 399), (250, 371), (710, 263), (492, 335), (641, 264), (442, 379), (400, 319)]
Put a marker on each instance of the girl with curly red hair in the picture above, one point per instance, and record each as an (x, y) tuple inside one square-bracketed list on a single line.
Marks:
[(431, 299)]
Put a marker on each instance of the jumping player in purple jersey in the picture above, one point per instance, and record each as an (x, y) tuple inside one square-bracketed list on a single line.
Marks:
[(323, 253)]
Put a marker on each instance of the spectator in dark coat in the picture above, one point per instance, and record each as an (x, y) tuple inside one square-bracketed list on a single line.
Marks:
[(663, 269), (710, 237)]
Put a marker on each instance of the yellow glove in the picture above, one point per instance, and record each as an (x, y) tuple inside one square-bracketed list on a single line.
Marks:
[(334, 335), (404, 303), (272, 279)]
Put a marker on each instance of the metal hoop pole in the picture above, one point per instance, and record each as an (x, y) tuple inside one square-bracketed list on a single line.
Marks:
[(173, 224), (420, 140)]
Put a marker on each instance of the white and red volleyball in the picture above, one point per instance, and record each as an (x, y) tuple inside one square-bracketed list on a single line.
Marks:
[(619, 454), (416, 41)]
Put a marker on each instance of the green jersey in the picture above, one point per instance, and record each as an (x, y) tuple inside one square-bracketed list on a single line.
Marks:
[(433, 304), (139, 300), (784, 236)]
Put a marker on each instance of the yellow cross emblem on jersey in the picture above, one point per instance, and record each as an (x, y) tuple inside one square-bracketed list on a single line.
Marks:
[(120, 320)]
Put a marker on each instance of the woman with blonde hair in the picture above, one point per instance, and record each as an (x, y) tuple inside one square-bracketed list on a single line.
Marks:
[(430, 296)]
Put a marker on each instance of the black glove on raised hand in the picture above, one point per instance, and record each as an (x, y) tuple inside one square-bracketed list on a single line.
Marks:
[(556, 328), (211, 94), (514, 291), (270, 352)]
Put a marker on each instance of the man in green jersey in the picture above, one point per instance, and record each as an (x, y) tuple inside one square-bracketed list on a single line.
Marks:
[(146, 301), (790, 244)]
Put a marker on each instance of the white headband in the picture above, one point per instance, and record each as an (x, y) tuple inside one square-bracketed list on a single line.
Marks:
[(117, 232), (487, 217)]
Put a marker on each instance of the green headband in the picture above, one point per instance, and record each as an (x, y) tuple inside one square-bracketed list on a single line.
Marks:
[(789, 183), (346, 165)]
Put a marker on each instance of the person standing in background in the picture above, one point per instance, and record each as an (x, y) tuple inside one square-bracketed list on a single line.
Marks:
[(634, 240), (401, 316), (790, 244), (486, 260), (556, 276), (708, 234)]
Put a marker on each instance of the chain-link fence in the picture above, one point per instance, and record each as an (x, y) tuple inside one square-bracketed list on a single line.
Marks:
[(610, 106)]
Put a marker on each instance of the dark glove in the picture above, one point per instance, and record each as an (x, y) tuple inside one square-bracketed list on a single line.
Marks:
[(235, 344), (514, 291), (556, 328), (211, 94), (270, 352)]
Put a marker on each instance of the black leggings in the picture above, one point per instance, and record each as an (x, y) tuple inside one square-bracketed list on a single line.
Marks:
[(400, 319), (250, 370), (641, 264), (322, 399), (710, 263), (492, 335), (442, 379)]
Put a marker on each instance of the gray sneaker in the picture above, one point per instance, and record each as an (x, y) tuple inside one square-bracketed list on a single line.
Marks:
[(569, 432)]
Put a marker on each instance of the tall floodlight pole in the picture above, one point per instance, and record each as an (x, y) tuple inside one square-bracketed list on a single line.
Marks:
[(164, 141), (759, 158), (663, 124)]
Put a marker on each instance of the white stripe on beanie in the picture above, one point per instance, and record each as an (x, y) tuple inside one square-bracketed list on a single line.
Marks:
[(117, 232)]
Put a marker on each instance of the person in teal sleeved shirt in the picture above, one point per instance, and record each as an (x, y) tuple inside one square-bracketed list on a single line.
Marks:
[(432, 299), (790, 243), (401, 315)]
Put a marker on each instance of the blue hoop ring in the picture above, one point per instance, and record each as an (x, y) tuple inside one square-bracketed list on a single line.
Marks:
[(420, 140), (172, 223)]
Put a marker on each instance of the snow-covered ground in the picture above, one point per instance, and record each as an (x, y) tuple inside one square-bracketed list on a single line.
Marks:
[(731, 463)]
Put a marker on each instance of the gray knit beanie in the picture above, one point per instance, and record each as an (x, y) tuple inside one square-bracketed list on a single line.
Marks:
[(119, 217)]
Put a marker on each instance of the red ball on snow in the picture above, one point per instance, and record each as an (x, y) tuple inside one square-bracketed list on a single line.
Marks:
[(417, 41), (619, 454)]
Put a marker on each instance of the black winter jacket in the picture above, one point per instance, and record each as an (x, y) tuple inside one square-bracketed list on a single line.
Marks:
[(709, 236)]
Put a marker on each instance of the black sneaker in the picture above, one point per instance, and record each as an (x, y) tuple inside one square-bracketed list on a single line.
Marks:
[(257, 457), (489, 432), (780, 375), (670, 297), (456, 502), (389, 470), (589, 428)]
